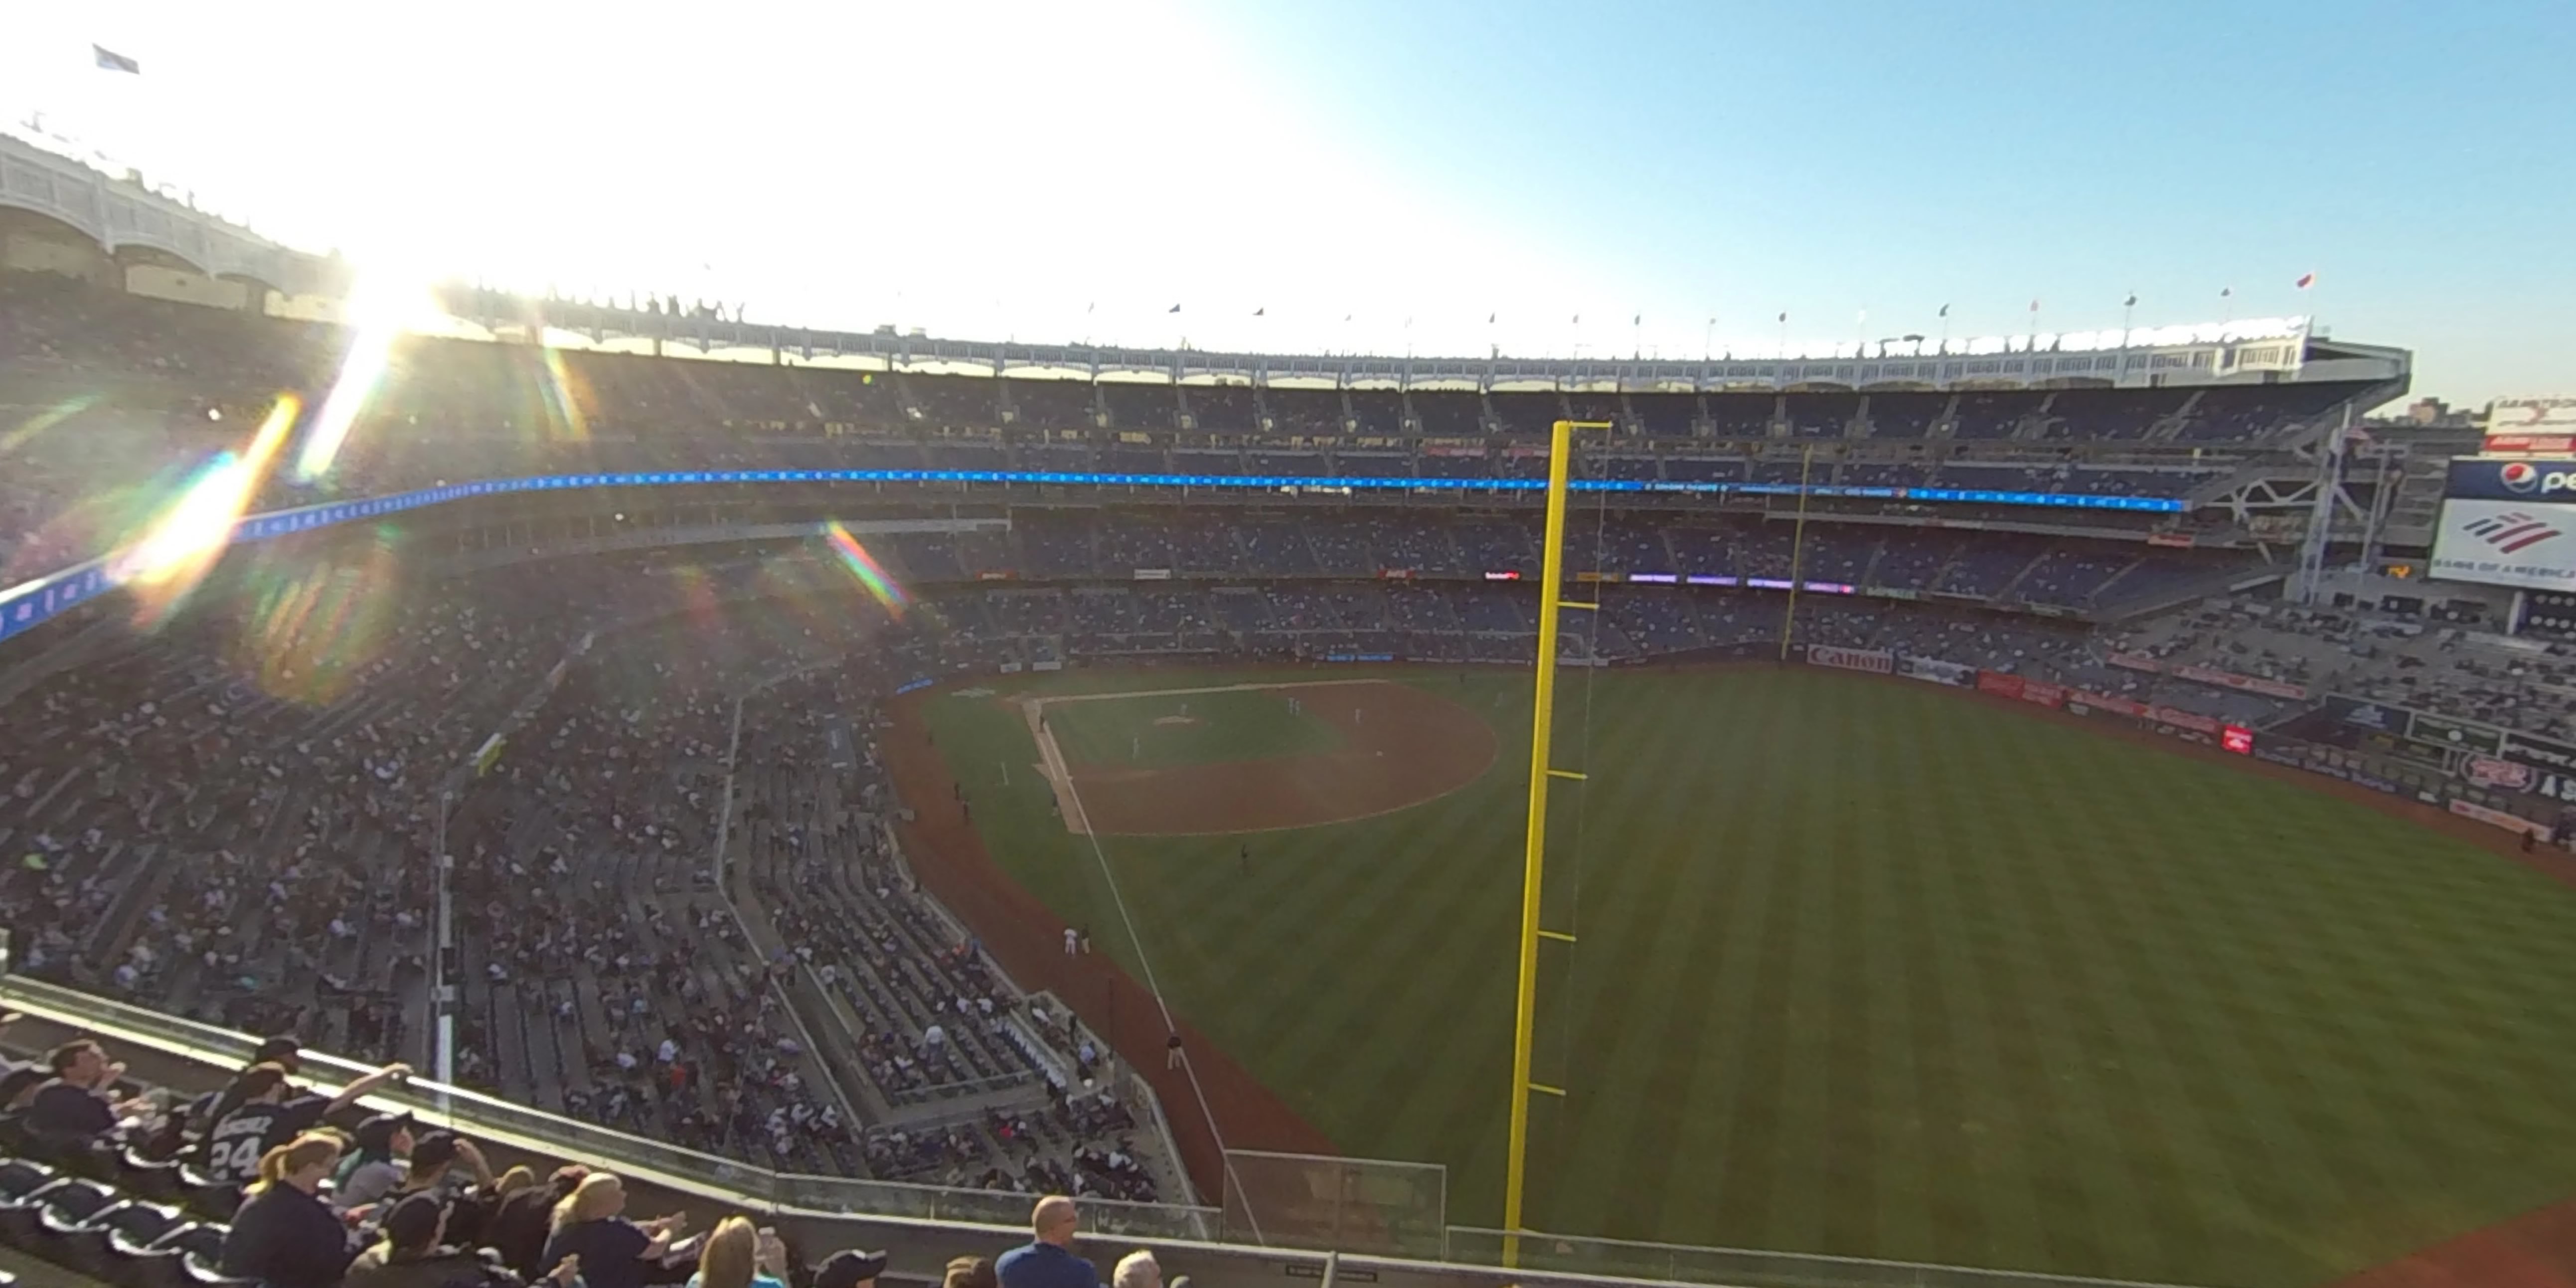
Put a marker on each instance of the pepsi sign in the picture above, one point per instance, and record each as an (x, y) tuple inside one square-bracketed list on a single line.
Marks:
[(2540, 479)]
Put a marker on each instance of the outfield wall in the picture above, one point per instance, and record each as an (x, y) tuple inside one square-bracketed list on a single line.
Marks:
[(2541, 818)]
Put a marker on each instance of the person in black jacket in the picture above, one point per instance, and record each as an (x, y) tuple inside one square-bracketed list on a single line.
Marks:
[(285, 1235), (414, 1253)]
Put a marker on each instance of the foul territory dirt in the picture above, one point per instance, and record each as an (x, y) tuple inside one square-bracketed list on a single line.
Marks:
[(1027, 939)]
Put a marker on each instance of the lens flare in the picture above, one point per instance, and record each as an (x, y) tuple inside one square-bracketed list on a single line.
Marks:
[(313, 629), (45, 420), (864, 566), (184, 543), (563, 398), (382, 306)]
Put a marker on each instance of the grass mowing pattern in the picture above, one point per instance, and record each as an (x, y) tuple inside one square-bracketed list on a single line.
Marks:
[(1879, 970), (1250, 724)]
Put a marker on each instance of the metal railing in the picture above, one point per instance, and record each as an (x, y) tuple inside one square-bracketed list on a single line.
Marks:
[(670, 1165), (936, 1221)]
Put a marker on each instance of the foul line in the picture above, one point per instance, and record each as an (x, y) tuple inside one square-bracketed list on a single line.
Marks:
[(1073, 798), (1054, 765)]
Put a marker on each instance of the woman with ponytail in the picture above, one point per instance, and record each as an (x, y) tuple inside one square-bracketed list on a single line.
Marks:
[(285, 1235)]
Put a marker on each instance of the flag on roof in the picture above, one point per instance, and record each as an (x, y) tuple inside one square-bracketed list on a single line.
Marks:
[(1175, 308), (2306, 280), (1639, 320), (1945, 310), (1263, 311), (1784, 317), (111, 61), (2225, 291), (2131, 302), (1489, 318)]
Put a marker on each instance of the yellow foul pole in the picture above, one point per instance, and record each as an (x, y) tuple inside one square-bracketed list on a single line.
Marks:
[(1534, 855)]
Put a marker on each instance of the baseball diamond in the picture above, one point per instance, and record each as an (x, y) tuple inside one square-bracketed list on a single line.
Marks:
[(1863, 967)]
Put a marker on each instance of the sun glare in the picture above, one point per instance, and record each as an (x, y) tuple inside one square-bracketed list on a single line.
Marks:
[(383, 303)]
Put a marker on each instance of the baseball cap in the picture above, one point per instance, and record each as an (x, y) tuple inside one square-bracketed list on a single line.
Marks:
[(414, 1221), (849, 1268), (431, 1151), (376, 1135), (285, 1051)]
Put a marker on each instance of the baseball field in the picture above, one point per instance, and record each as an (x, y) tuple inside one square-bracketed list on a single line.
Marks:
[(1857, 967)]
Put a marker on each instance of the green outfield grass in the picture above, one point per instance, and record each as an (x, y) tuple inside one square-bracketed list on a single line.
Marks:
[(1879, 970), (1187, 729)]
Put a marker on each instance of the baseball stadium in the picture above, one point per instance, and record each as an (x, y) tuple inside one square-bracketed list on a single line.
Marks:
[(2026, 811)]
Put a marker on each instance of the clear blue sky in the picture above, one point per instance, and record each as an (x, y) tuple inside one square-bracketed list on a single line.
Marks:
[(2421, 158), (1050, 173)]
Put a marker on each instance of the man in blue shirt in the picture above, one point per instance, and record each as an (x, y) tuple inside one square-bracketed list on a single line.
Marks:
[(1048, 1260)]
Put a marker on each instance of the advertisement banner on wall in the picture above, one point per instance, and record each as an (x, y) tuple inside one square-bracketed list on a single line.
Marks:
[(2242, 683), (2236, 738), (2532, 414), (2362, 713), (2533, 444), (2539, 753), (1934, 670), (2081, 701), (2544, 481), (1999, 684), (2441, 731), (2498, 818), (2506, 774), (2187, 721), (2043, 693), (2530, 544), (1876, 661)]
